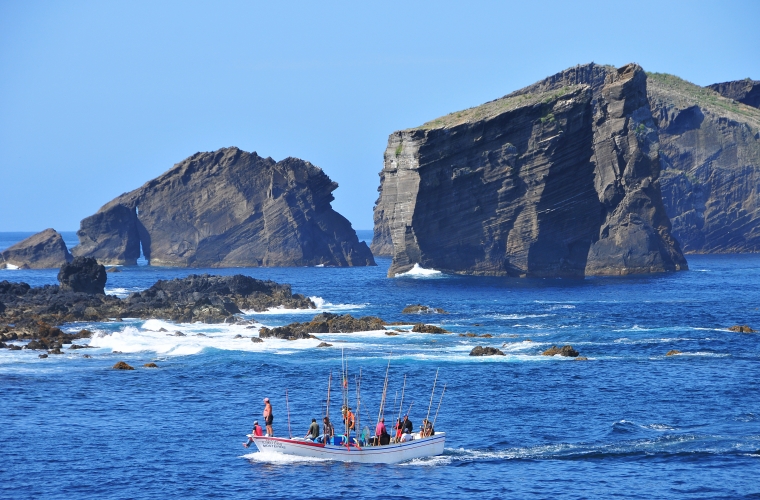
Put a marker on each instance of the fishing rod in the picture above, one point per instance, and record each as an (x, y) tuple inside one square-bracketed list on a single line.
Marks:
[(431, 394), (401, 406), (439, 406), (329, 385), (287, 405), (385, 390)]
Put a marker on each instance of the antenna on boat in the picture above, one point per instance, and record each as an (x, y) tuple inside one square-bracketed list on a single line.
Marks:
[(439, 405), (287, 405), (431, 394), (401, 406), (329, 384)]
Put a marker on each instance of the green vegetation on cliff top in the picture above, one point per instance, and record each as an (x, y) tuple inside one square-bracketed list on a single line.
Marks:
[(495, 108), (679, 89)]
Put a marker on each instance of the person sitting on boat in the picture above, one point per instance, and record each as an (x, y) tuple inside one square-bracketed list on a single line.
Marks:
[(327, 430), (313, 430), (268, 417), (257, 431), (399, 428), (406, 436), (408, 424), (426, 430), (381, 433)]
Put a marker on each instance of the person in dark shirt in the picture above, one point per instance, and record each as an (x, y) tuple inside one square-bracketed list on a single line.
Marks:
[(408, 424), (327, 429), (313, 430)]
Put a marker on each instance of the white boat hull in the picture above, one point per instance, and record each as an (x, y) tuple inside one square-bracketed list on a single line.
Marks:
[(388, 454)]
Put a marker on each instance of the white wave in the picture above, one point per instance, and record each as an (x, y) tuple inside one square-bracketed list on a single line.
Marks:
[(10, 266), (279, 458), (120, 292), (518, 316), (322, 306), (561, 306), (420, 272)]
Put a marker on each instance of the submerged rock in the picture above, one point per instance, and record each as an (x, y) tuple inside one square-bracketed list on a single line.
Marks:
[(226, 208), (121, 365), (486, 351), (557, 179), (423, 328), (324, 344), (419, 308), (741, 329), (42, 356), (43, 250), (672, 352), (150, 365), (256, 339), (567, 351)]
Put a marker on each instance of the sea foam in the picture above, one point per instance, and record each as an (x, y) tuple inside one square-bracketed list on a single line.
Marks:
[(420, 272)]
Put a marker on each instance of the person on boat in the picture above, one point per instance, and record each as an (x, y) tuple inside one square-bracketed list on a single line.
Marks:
[(406, 436), (313, 430), (327, 430), (381, 433), (399, 428), (268, 417), (257, 431), (426, 430), (348, 419), (408, 424)]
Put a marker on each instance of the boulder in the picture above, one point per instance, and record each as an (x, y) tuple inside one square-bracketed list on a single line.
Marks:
[(486, 351), (563, 351), (557, 179), (121, 365), (42, 356), (423, 328), (741, 329), (226, 208), (672, 352), (83, 274), (324, 323), (419, 308), (581, 358), (256, 339), (43, 250), (324, 344), (150, 365)]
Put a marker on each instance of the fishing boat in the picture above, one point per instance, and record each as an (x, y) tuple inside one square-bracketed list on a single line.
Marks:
[(361, 447), (388, 454)]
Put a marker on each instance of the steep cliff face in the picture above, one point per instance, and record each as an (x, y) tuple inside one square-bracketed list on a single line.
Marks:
[(744, 91), (43, 250), (558, 179), (710, 154), (226, 208)]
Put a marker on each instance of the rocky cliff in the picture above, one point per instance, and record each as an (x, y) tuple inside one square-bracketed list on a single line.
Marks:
[(557, 179), (744, 91), (710, 154), (45, 249), (226, 208)]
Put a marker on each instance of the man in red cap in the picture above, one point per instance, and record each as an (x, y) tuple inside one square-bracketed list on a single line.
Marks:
[(268, 417)]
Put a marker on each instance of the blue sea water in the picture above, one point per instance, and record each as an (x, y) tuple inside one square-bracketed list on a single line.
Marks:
[(630, 422)]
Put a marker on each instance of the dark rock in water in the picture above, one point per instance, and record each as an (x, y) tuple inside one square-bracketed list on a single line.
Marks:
[(150, 365), (57, 350), (113, 270), (486, 351), (3, 345), (672, 352), (201, 335), (14, 347), (423, 328), (581, 358), (745, 91), (419, 308), (567, 351), (162, 330), (83, 274), (43, 250), (741, 329), (324, 323), (226, 208), (121, 365), (710, 162), (180, 334), (42, 356), (238, 336), (256, 339), (80, 346), (391, 334), (557, 179), (324, 344), (86, 356)]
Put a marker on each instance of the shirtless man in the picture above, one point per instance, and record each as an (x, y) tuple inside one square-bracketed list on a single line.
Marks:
[(268, 417)]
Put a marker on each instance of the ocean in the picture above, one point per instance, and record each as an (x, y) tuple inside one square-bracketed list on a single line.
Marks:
[(629, 422)]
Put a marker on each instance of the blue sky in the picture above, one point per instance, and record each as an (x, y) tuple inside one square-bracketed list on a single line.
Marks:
[(97, 98)]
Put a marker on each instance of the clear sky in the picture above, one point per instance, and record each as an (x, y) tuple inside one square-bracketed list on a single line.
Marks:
[(98, 97)]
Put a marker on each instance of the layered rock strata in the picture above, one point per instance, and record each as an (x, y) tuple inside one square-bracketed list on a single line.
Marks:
[(710, 155), (226, 208), (43, 250), (557, 179), (745, 91)]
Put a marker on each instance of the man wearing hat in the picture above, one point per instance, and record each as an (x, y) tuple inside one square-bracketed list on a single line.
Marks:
[(255, 432), (268, 417)]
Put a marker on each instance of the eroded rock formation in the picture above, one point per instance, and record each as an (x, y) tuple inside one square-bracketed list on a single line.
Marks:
[(745, 91), (557, 179), (226, 208), (45, 249), (710, 155)]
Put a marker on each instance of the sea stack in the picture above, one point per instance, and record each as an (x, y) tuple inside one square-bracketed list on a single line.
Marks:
[(557, 179), (226, 208), (43, 250)]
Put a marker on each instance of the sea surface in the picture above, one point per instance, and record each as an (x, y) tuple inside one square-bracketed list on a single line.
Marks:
[(630, 422)]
